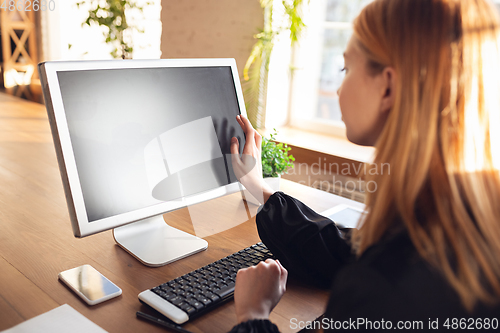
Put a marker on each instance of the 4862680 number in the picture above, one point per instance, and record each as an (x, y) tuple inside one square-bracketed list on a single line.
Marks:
[(471, 323), (28, 5)]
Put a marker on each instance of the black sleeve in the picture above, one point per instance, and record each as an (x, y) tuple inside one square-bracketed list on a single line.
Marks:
[(309, 245), (255, 326)]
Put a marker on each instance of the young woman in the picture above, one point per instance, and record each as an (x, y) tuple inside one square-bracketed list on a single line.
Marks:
[(422, 85)]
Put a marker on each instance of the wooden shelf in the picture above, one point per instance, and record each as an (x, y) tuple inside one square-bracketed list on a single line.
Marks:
[(19, 52)]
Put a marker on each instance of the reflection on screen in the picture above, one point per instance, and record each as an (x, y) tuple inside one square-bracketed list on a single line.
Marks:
[(149, 135)]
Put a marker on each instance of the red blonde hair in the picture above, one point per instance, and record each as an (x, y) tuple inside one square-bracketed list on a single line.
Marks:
[(441, 138)]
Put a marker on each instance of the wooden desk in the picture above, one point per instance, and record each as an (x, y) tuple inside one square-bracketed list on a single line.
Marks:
[(37, 242)]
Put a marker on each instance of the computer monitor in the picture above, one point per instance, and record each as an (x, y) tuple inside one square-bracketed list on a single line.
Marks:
[(138, 138)]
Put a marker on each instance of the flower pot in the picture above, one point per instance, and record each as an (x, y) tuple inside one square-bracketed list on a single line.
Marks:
[(273, 182)]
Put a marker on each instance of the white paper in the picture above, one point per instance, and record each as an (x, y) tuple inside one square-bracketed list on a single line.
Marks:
[(58, 320)]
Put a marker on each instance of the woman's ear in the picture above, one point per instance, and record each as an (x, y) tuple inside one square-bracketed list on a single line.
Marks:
[(388, 85)]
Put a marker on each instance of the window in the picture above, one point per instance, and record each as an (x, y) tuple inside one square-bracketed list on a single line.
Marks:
[(318, 61), (64, 37)]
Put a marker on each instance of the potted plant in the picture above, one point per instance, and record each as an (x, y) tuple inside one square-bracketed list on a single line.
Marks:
[(275, 157), (112, 14), (276, 160)]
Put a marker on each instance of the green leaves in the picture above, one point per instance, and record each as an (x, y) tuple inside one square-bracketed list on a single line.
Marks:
[(294, 15), (275, 157), (256, 68), (112, 15)]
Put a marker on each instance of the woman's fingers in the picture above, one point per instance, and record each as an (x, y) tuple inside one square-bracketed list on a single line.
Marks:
[(252, 136), (238, 119), (235, 145), (258, 140), (284, 275), (248, 167), (235, 151), (246, 126), (282, 271)]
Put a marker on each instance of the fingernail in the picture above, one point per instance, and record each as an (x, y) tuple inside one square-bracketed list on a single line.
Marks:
[(233, 140)]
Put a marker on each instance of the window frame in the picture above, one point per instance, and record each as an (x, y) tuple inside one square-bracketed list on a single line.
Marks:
[(306, 67)]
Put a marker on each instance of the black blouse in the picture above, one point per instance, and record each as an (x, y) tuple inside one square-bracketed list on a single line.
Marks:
[(389, 285)]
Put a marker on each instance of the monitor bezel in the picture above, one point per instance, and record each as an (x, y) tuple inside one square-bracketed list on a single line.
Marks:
[(64, 150)]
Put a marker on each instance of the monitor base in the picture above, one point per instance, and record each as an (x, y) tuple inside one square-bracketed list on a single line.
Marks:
[(154, 243)]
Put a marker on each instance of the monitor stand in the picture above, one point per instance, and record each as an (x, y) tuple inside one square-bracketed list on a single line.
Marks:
[(154, 243)]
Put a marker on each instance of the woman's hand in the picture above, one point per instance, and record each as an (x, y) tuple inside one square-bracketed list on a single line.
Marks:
[(248, 167), (258, 290)]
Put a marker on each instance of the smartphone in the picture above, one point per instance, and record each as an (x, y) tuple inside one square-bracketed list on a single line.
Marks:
[(89, 284)]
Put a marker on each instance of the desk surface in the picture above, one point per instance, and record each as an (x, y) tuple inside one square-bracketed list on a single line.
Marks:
[(37, 242)]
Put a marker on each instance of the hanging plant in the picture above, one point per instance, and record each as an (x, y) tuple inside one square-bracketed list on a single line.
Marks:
[(256, 68)]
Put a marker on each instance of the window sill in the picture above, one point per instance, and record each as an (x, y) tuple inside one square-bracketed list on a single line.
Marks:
[(322, 145)]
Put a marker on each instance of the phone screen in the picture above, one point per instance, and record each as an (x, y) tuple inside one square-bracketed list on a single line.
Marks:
[(88, 281)]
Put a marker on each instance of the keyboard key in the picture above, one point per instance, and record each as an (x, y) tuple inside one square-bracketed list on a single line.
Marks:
[(176, 300), (206, 293), (203, 287), (186, 287), (184, 305), (190, 278), (255, 262), (189, 310), (195, 303), (221, 284), (205, 300), (226, 290), (206, 272)]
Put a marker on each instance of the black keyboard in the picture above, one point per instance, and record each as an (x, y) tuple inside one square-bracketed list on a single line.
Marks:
[(201, 290)]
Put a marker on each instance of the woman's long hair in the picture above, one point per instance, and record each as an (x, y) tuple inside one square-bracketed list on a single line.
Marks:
[(441, 138)]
